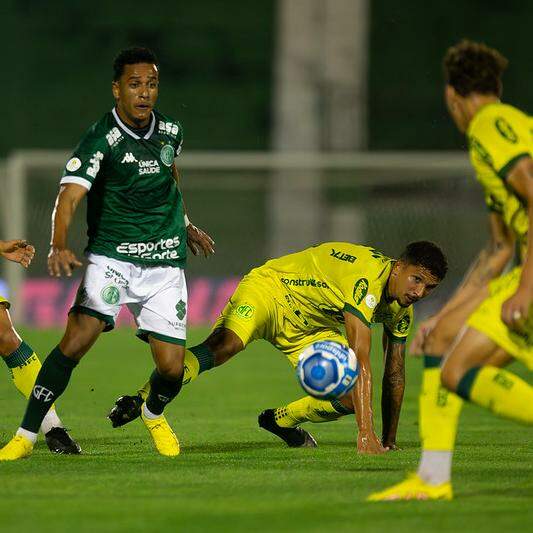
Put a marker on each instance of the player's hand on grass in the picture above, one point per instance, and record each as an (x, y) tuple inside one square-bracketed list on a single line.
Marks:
[(18, 251), (369, 443), (515, 311), (417, 345), (199, 241), (62, 261)]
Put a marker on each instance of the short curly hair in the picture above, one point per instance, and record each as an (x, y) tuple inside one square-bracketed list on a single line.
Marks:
[(426, 254), (132, 56), (471, 67)]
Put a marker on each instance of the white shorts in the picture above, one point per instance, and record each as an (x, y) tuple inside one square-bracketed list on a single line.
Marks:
[(156, 296)]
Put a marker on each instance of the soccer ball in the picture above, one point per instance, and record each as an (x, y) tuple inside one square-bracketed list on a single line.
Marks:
[(327, 369)]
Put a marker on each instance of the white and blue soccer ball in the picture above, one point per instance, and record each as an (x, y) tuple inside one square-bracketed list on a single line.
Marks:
[(327, 370)]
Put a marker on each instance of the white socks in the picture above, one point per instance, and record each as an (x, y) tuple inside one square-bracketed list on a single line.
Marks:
[(28, 434), (435, 467), (51, 420), (148, 414)]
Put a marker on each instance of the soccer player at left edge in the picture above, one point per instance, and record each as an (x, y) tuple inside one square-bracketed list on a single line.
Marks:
[(138, 233)]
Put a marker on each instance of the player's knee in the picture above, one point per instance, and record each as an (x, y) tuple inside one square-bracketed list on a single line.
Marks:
[(9, 341), (439, 339), (171, 370), (450, 376)]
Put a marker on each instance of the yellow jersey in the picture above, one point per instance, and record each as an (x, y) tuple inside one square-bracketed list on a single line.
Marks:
[(324, 281), (498, 136)]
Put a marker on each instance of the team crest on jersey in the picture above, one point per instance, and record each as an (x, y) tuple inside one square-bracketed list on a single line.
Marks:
[(359, 290), (167, 155), (403, 324), (245, 311), (505, 130), (73, 164)]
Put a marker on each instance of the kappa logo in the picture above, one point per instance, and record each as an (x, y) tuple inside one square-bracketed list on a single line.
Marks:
[(129, 158), (42, 393)]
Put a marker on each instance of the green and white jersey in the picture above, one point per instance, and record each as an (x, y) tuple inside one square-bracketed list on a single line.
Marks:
[(135, 210)]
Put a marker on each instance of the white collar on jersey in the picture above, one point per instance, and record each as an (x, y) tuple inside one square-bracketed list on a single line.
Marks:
[(128, 131)]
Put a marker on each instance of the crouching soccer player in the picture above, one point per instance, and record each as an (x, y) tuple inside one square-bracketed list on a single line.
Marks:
[(488, 321), (23, 362), (138, 234), (306, 297)]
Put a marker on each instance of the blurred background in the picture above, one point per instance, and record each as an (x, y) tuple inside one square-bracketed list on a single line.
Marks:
[(304, 120)]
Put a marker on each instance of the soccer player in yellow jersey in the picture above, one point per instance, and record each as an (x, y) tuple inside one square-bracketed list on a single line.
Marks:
[(22, 361), (307, 296), (488, 321)]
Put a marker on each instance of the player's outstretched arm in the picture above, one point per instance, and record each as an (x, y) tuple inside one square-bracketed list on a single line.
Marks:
[(393, 387), (18, 251), (358, 335), (517, 309), (61, 260), (489, 264), (197, 239)]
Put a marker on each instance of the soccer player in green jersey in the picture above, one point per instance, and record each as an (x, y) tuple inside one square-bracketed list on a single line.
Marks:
[(306, 297), (23, 363), (488, 321), (138, 233)]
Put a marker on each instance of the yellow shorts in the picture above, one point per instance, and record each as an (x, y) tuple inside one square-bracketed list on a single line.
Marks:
[(258, 310), (4, 302), (487, 319)]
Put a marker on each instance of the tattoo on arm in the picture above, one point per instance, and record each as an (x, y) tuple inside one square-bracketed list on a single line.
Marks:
[(392, 390)]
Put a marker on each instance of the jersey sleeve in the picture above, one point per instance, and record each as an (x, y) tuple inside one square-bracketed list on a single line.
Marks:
[(361, 297), (398, 327), (84, 165), (500, 140)]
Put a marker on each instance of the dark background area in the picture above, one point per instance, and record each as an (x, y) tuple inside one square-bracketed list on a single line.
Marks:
[(217, 64)]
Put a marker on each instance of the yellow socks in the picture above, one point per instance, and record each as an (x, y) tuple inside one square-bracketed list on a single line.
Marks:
[(500, 391), (24, 366), (439, 409), (439, 412), (191, 370), (309, 409)]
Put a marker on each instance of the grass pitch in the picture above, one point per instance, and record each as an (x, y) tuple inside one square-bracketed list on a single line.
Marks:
[(232, 476)]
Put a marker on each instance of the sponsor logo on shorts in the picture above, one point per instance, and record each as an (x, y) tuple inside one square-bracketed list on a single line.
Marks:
[(161, 249), (403, 324), (116, 276), (42, 393), (181, 309), (305, 283), (359, 290), (245, 311), (167, 155), (73, 164), (110, 295)]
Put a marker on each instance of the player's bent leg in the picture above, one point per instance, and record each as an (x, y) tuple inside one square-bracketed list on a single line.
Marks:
[(24, 366), (468, 372), (81, 333), (284, 421), (219, 347)]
